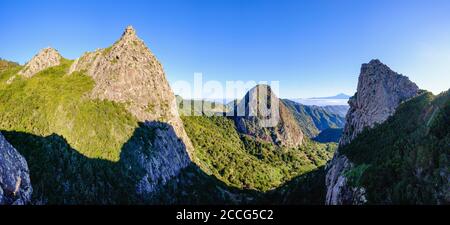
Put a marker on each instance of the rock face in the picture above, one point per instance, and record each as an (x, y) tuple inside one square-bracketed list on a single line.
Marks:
[(160, 161), (47, 57), (380, 90), (15, 186), (128, 73), (338, 191), (263, 116)]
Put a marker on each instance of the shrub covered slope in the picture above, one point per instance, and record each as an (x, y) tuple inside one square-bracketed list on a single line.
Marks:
[(244, 162), (407, 158)]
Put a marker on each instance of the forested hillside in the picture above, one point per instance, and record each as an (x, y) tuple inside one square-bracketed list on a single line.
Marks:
[(244, 162), (315, 119), (407, 158)]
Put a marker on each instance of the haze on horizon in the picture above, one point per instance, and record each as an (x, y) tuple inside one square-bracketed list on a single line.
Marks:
[(313, 48)]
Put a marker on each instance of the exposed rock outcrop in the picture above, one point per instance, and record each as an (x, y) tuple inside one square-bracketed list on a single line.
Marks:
[(262, 115), (128, 73), (47, 57), (338, 191), (380, 90), (15, 186), (159, 159)]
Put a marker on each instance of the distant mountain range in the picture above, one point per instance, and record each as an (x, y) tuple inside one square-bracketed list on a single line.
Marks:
[(339, 99), (338, 96), (315, 119)]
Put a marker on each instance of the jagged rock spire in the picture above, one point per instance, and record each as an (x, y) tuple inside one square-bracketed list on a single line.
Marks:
[(128, 73), (129, 31), (129, 36), (47, 57), (380, 90)]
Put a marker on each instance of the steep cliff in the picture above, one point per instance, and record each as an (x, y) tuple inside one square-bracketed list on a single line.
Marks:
[(262, 115), (404, 160), (380, 91), (15, 186)]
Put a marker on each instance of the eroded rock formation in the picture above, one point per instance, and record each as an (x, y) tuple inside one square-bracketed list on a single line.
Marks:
[(262, 115), (380, 90)]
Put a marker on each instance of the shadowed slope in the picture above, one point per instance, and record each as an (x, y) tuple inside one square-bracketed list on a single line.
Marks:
[(61, 175)]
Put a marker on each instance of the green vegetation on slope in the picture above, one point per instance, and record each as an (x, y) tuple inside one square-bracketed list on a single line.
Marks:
[(5, 65), (72, 143), (53, 101), (406, 159), (189, 107), (82, 151), (314, 119), (243, 162)]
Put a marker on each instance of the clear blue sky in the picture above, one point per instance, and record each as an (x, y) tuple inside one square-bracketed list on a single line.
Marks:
[(314, 48)]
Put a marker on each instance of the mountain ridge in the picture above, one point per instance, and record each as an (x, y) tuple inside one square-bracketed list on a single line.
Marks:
[(97, 102), (46, 58), (106, 129), (338, 96), (315, 119)]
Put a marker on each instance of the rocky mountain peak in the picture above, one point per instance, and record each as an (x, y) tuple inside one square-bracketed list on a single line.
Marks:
[(47, 57), (258, 99), (129, 73), (374, 62), (262, 86), (380, 90), (263, 116), (130, 39), (129, 31)]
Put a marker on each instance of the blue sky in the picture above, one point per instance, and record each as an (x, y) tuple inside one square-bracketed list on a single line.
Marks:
[(313, 48)]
